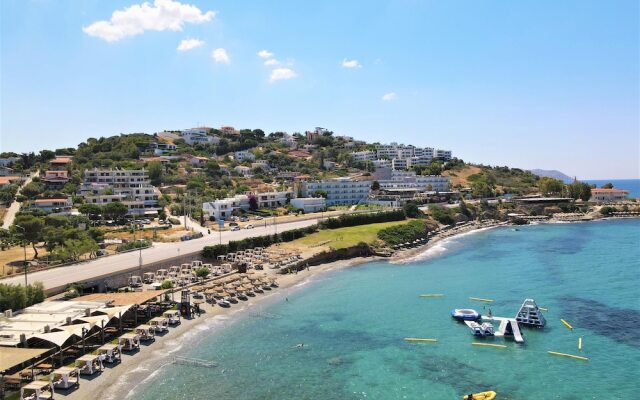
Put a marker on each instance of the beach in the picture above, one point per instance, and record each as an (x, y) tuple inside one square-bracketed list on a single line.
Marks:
[(116, 382)]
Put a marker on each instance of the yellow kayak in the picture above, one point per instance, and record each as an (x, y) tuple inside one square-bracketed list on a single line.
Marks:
[(480, 396)]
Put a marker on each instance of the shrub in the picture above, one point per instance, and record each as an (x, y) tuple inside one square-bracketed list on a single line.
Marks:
[(16, 297), (363, 219), (441, 214), (166, 285), (403, 233)]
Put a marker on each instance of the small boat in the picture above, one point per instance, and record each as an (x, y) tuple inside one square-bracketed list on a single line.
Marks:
[(489, 395), (465, 314)]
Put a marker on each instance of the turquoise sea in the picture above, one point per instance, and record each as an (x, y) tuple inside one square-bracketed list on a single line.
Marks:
[(352, 323)]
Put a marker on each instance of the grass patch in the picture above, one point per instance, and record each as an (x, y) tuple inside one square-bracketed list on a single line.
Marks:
[(346, 237)]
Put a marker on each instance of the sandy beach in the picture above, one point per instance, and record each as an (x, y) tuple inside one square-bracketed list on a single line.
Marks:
[(116, 382)]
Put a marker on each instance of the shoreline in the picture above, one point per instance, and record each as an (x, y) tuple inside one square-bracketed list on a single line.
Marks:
[(122, 380)]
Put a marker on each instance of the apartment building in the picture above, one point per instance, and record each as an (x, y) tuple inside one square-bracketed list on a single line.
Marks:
[(57, 175), (199, 135), (366, 155), (339, 190), (394, 179), (131, 187), (414, 155), (608, 195)]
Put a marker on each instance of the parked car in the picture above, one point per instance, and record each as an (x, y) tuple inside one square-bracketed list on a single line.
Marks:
[(259, 218), (232, 224), (235, 228), (244, 219), (250, 226)]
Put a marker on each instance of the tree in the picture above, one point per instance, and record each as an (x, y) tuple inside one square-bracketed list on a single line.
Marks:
[(548, 185), (93, 211), (375, 185), (155, 172), (202, 272), (28, 228), (253, 202), (411, 210), (607, 186), (115, 210)]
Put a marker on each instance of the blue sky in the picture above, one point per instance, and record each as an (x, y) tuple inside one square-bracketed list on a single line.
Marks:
[(541, 84)]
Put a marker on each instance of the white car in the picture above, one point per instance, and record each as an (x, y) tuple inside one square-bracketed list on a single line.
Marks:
[(235, 228), (259, 218), (250, 226)]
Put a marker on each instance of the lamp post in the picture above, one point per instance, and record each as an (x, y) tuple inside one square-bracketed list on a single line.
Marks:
[(24, 248)]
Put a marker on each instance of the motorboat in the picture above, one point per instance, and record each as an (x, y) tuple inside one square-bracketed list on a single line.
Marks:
[(465, 314)]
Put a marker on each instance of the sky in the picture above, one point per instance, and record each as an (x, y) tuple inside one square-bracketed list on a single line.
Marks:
[(528, 84)]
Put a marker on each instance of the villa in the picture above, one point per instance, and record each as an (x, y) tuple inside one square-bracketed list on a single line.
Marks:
[(608, 195)]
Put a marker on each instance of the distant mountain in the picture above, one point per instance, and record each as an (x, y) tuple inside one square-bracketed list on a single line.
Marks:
[(552, 173)]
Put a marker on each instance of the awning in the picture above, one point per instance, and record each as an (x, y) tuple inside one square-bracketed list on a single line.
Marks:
[(114, 312), (57, 338), (76, 329), (13, 356), (96, 320)]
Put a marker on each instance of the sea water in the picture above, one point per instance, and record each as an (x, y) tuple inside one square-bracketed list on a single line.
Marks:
[(352, 323)]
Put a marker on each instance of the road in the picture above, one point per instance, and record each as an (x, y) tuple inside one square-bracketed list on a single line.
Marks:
[(15, 205), (62, 276)]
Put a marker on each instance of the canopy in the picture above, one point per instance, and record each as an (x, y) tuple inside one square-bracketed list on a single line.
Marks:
[(57, 338), (13, 356), (96, 320), (76, 329), (114, 311)]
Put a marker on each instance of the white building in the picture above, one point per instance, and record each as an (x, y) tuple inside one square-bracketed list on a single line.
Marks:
[(608, 195), (52, 205), (199, 135), (328, 165), (360, 156), (339, 190), (224, 208), (309, 204), (262, 164), (443, 154), (242, 170), (243, 155), (131, 187), (409, 180), (417, 155)]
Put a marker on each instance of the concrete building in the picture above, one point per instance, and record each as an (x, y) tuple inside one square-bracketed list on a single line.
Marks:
[(52, 205), (224, 208), (228, 130), (262, 164), (339, 190), (328, 165), (199, 135), (131, 187), (6, 171), (309, 204), (397, 179), (55, 180), (6, 161), (242, 170), (443, 154), (272, 199), (361, 156), (162, 148), (243, 155), (608, 195), (198, 161)]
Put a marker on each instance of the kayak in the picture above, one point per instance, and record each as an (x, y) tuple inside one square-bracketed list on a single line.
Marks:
[(490, 395)]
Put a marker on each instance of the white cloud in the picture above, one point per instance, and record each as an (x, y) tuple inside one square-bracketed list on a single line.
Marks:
[(351, 64), (265, 54), (189, 44), (272, 61), (280, 74), (389, 96), (220, 56), (162, 15)]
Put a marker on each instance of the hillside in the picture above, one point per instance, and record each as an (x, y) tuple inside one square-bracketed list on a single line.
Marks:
[(552, 173), (486, 181)]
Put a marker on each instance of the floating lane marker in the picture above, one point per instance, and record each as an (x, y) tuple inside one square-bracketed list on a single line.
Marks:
[(568, 325), (481, 299), (432, 295), (543, 309), (420, 340), (580, 343), (500, 346), (555, 353)]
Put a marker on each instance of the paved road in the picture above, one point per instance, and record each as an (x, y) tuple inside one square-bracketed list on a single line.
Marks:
[(15, 206), (63, 276)]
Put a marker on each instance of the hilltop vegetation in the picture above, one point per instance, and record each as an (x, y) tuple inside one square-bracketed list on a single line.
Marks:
[(487, 181)]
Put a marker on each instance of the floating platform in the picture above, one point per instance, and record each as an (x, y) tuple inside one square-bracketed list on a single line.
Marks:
[(420, 340), (508, 327), (555, 353), (530, 315)]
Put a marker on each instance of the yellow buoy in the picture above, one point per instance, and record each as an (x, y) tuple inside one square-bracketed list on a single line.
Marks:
[(420, 340), (481, 299), (500, 346), (432, 295), (555, 353), (568, 325), (580, 343)]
